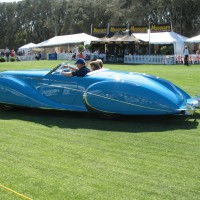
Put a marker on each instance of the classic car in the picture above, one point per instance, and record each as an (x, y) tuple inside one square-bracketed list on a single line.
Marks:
[(103, 91)]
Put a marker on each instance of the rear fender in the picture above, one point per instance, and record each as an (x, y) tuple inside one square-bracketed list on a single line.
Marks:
[(128, 98)]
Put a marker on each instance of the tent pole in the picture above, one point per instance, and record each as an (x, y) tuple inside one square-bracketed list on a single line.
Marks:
[(149, 32)]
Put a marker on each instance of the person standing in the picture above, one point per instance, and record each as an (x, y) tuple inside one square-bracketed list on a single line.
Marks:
[(186, 55), (7, 52), (12, 53)]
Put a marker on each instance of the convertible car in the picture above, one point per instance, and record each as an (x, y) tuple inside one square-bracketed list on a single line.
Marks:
[(103, 91)]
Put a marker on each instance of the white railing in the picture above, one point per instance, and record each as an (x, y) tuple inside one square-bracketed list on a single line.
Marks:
[(159, 59), (26, 58), (148, 59), (192, 59), (128, 59), (68, 56), (64, 56)]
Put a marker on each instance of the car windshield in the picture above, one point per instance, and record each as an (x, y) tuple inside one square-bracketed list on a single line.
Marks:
[(65, 66)]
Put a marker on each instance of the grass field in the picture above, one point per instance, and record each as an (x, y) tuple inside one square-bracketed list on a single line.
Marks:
[(64, 155)]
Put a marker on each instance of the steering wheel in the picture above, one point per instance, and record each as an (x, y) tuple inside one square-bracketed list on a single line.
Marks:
[(65, 68)]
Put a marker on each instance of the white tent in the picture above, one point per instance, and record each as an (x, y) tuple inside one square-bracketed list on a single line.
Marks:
[(27, 46), (195, 39), (27, 49), (164, 38), (68, 39)]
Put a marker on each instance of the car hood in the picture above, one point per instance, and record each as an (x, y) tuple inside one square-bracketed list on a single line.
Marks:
[(26, 73)]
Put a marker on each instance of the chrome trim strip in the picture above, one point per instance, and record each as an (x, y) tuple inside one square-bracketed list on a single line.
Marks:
[(123, 102)]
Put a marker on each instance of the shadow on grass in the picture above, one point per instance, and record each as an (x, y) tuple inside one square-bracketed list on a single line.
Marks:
[(76, 120)]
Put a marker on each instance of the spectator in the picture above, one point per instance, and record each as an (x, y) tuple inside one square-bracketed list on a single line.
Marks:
[(126, 51), (107, 55), (38, 56), (87, 54), (75, 52), (7, 53), (12, 53), (3, 53), (101, 55), (80, 55), (186, 55)]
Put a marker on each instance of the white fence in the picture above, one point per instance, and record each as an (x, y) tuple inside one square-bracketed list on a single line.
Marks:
[(144, 59), (128, 59), (159, 59), (68, 56), (193, 59), (26, 58), (64, 56)]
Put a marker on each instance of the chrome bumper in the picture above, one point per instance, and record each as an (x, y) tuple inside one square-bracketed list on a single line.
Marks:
[(190, 110), (195, 101), (187, 110), (191, 106)]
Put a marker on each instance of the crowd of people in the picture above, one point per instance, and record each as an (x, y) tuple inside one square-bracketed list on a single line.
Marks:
[(8, 54)]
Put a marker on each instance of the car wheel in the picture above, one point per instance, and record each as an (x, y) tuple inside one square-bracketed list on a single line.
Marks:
[(6, 107)]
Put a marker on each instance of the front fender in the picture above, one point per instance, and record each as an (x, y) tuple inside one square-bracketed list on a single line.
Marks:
[(18, 92)]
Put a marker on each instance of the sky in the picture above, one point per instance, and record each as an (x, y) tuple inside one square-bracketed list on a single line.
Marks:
[(9, 0)]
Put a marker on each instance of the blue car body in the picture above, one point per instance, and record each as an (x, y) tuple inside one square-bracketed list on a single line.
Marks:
[(104, 91)]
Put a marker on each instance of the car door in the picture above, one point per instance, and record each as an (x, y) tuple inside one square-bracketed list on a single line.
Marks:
[(62, 89)]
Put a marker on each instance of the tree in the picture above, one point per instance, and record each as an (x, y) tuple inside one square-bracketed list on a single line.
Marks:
[(38, 20)]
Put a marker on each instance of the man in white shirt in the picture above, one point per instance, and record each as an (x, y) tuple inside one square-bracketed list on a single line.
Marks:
[(186, 55)]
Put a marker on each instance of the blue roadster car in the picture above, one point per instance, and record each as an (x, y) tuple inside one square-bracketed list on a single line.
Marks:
[(102, 91)]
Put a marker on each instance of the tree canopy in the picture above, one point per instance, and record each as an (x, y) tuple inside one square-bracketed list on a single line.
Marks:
[(38, 20)]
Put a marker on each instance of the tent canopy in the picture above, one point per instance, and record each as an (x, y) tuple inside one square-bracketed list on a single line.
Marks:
[(121, 37), (126, 38), (164, 38), (195, 39), (161, 37), (27, 46), (68, 39)]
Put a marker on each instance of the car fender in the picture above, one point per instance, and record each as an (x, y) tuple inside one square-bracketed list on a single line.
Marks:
[(127, 98), (18, 92)]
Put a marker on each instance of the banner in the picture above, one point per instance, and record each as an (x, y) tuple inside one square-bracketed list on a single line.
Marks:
[(109, 31), (116, 29), (100, 31), (160, 28), (138, 29)]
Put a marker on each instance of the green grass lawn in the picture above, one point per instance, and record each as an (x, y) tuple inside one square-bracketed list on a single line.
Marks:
[(65, 155)]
